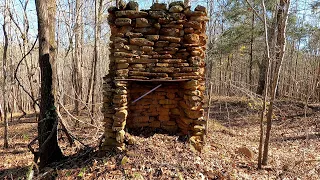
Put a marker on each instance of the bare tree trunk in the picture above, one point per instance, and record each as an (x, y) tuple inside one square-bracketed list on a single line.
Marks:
[(49, 149), (77, 78), (282, 17), (251, 52), (263, 65), (97, 34), (265, 92), (4, 71)]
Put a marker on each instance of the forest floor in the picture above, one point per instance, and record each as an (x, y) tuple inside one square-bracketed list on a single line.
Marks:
[(230, 152)]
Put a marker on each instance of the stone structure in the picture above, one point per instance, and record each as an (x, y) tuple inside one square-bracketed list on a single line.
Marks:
[(161, 49)]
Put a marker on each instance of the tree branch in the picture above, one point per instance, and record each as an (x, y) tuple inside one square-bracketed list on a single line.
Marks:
[(16, 71), (255, 11)]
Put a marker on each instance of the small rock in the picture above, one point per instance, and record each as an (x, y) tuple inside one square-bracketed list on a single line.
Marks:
[(245, 151)]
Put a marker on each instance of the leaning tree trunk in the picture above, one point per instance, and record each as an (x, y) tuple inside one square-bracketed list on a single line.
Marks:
[(49, 149)]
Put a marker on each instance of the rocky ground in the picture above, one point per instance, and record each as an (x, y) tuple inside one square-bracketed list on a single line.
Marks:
[(230, 151)]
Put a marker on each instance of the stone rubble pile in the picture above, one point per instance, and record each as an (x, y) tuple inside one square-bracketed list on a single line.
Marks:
[(162, 43)]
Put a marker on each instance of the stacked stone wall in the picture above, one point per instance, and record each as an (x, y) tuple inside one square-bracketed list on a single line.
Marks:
[(163, 45)]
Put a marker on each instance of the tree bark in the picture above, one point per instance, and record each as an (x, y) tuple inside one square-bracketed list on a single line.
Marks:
[(49, 149)]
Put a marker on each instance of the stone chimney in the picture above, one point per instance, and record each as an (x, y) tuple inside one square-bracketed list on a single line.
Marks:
[(156, 75)]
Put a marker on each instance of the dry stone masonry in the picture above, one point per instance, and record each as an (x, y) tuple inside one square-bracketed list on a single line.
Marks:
[(160, 51)]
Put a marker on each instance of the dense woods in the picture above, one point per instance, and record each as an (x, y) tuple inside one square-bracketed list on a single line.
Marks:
[(54, 55)]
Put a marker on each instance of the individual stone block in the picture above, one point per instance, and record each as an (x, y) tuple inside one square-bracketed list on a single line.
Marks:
[(146, 31), (200, 8), (189, 30), (141, 42), (132, 5), (118, 126), (125, 29), (123, 21), (174, 45), (134, 35), (119, 40), (173, 25), (163, 64), (157, 14), (146, 48), (164, 56), (152, 37), (176, 9), (131, 14), (199, 18), (192, 85), (122, 66), (170, 39), (162, 69), (170, 31), (164, 20), (176, 3), (157, 25), (142, 61), (175, 111), (190, 13), (125, 54), (193, 24), (159, 6), (177, 16), (122, 114), (142, 22), (164, 118), (161, 43), (120, 136), (167, 101), (194, 114), (192, 38)]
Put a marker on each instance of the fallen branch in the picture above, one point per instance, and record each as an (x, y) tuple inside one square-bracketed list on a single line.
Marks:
[(77, 118), (65, 129)]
